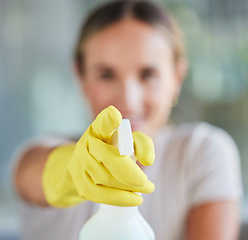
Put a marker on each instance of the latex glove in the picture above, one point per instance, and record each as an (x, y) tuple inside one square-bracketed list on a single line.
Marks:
[(92, 169)]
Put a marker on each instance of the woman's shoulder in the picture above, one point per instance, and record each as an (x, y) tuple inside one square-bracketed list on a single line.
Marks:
[(209, 158), (198, 136), (198, 131), (191, 128)]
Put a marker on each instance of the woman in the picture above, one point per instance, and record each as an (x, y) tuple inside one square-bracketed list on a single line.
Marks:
[(130, 55)]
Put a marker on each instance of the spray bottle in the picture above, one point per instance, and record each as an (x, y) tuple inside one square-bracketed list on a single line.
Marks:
[(118, 223)]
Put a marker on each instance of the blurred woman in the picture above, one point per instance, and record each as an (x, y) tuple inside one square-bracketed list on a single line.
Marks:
[(130, 63)]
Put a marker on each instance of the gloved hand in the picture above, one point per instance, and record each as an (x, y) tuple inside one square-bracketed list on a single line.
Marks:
[(92, 169)]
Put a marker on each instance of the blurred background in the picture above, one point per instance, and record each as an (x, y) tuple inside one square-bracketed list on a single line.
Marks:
[(39, 96)]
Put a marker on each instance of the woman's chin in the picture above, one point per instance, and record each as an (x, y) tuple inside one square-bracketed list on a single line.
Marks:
[(144, 129), (136, 127), (139, 127)]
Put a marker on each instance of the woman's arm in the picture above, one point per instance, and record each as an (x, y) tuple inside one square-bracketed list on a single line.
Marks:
[(28, 175), (215, 221)]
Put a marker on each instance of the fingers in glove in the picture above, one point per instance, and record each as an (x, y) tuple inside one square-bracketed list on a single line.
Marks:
[(122, 168), (112, 196), (148, 188), (144, 148), (101, 176)]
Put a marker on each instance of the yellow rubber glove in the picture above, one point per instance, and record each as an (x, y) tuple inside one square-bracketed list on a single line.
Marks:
[(92, 169)]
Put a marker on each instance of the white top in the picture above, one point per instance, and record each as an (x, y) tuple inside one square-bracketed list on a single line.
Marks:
[(195, 163)]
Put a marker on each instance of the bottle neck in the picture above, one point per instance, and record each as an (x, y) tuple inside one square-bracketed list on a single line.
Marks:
[(109, 209)]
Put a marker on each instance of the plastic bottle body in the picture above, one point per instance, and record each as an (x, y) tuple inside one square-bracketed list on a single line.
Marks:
[(117, 223)]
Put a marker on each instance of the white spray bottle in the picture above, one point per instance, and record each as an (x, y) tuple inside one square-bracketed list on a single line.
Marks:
[(118, 223)]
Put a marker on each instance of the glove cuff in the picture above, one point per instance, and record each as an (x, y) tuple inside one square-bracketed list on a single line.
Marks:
[(57, 183)]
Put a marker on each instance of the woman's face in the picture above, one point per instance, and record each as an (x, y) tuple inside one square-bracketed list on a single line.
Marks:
[(130, 65)]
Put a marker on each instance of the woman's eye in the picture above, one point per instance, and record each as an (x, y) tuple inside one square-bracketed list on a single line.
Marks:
[(107, 75), (147, 74)]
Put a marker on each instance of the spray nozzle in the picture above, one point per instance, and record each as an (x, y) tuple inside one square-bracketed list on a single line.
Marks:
[(123, 139)]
